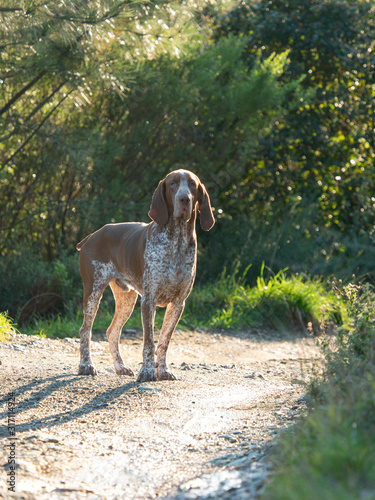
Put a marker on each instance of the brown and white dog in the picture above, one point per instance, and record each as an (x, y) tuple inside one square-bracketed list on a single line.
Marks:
[(155, 260)]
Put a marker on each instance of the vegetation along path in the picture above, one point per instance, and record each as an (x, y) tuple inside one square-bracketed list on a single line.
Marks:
[(205, 435)]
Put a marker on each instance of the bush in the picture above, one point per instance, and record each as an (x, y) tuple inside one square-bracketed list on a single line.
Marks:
[(316, 160), (31, 287), (331, 453), (282, 302), (360, 338), (6, 326)]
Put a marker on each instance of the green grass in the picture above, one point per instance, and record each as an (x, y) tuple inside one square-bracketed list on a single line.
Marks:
[(283, 302), (68, 326), (61, 327), (6, 326), (331, 454)]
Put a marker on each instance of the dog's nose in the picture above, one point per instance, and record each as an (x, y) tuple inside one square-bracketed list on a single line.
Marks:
[(184, 199)]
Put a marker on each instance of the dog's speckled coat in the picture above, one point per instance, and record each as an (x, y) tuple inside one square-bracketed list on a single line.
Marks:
[(155, 260)]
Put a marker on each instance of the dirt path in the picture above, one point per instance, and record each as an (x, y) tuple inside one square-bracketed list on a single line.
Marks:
[(205, 435)]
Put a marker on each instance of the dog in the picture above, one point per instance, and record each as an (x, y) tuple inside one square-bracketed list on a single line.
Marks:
[(155, 260)]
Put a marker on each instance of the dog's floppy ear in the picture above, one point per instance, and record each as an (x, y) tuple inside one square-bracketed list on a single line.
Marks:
[(207, 218), (159, 210)]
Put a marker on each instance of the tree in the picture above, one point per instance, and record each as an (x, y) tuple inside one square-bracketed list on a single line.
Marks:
[(55, 58), (100, 104), (317, 163)]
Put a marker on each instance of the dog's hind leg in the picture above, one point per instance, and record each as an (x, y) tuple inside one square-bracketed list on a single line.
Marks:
[(125, 302), (91, 299)]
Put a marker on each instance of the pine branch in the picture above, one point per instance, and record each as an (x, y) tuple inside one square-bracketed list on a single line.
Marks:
[(37, 108), (110, 14), (35, 131), (19, 94), (8, 9), (45, 101)]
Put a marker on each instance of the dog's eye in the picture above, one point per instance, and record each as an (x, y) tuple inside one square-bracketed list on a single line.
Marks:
[(192, 185), (172, 184)]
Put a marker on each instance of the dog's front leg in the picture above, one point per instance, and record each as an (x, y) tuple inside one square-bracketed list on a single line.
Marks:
[(148, 370)]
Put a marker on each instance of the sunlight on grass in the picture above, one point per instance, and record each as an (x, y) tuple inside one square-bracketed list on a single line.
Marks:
[(331, 453), (6, 326), (61, 327), (282, 302)]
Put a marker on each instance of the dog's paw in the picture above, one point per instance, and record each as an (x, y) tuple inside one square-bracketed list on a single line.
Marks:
[(87, 369), (165, 375), (123, 370), (147, 374)]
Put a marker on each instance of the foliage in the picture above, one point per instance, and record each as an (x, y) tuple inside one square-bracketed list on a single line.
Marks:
[(286, 303), (316, 160), (271, 103), (37, 287), (281, 302), (331, 452), (330, 456), (56, 59), (360, 339), (6, 326), (92, 130)]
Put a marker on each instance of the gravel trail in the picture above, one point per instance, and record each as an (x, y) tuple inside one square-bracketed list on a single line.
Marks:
[(206, 435)]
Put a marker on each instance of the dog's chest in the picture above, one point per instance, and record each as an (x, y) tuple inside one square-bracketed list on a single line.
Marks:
[(170, 266)]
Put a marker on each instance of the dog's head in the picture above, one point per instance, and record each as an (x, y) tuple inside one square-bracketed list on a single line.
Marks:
[(177, 196)]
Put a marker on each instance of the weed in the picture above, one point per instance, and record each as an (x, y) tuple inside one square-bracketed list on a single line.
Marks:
[(6, 326), (282, 302), (331, 454)]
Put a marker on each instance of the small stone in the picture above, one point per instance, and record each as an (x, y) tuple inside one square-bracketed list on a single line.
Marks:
[(20, 348), (185, 366), (144, 388)]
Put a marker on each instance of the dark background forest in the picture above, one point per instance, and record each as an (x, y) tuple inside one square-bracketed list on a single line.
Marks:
[(270, 102)]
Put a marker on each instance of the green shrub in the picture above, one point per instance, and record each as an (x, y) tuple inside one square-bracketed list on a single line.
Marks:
[(281, 302), (330, 456), (6, 326), (331, 453), (359, 339), (31, 287)]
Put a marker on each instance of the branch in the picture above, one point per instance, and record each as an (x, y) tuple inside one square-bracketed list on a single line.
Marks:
[(37, 108), (35, 131), (45, 101), (21, 92), (110, 14), (36, 298)]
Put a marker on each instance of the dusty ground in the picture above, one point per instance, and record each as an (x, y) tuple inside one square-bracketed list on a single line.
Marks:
[(203, 436)]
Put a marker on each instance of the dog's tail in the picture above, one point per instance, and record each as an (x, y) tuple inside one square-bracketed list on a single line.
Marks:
[(81, 243)]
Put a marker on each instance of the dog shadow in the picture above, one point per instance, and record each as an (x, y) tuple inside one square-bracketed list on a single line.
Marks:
[(30, 395)]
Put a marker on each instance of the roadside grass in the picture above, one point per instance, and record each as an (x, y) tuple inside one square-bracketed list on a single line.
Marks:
[(330, 454), (6, 326), (284, 302), (68, 326)]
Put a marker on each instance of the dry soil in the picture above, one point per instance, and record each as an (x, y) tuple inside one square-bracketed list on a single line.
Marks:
[(206, 435)]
